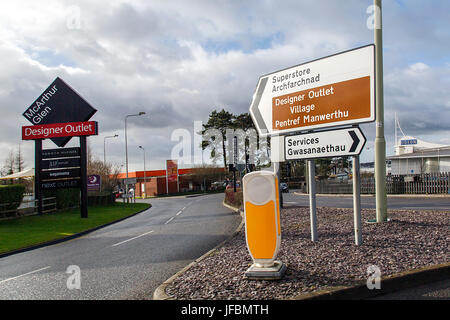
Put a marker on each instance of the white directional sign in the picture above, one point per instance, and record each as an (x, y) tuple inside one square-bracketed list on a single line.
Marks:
[(333, 143), (332, 91)]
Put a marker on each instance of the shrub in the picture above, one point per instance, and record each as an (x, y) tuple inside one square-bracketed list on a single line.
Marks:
[(65, 198), (101, 198), (234, 199), (11, 196)]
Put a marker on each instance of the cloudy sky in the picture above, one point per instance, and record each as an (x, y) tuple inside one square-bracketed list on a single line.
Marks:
[(179, 60)]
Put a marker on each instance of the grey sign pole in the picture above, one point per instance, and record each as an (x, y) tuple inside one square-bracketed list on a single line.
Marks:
[(357, 200), (83, 177), (312, 198), (380, 142)]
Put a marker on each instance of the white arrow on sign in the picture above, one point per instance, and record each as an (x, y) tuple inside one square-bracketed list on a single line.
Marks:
[(324, 144)]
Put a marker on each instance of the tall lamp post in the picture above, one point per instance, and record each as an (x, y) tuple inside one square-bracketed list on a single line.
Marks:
[(144, 194), (380, 142), (126, 147), (104, 146)]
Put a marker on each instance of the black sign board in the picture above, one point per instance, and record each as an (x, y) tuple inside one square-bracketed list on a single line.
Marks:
[(59, 103), (60, 163), (59, 174), (61, 153), (58, 184)]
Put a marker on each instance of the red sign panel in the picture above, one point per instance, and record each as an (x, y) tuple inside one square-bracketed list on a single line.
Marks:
[(172, 170), (55, 130)]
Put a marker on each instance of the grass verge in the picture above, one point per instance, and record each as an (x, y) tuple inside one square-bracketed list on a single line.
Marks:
[(27, 231)]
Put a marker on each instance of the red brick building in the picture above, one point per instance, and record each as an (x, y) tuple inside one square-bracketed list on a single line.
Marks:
[(156, 182)]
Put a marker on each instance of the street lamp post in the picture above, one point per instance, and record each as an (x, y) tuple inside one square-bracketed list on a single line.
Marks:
[(380, 142), (104, 146), (126, 148), (145, 177)]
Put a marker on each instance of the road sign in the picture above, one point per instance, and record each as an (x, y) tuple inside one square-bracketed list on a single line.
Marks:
[(130, 181), (332, 91), (60, 163), (60, 153), (332, 143), (63, 173), (59, 103), (94, 182)]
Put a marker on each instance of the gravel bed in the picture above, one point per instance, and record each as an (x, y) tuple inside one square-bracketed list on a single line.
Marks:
[(413, 239)]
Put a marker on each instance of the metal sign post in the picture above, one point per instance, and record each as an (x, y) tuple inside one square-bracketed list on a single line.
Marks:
[(357, 200), (37, 178), (235, 161), (83, 178), (312, 198)]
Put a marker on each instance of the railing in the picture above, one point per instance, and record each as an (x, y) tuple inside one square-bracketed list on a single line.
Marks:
[(27, 208), (430, 183)]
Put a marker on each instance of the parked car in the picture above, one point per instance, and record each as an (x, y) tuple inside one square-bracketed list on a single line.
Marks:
[(284, 187), (118, 193)]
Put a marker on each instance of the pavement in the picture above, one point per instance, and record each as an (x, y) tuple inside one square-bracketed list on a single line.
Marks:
[(439, 290), (126, 260)]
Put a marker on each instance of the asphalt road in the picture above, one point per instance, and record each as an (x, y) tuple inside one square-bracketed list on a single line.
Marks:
[(127, 260), (368, 202)]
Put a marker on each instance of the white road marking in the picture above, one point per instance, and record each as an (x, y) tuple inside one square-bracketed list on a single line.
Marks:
[(169, 220), (132, 238), (179, 212), (25, 274)]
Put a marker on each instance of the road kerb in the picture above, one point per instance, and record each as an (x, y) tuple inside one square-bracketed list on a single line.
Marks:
[(389, 284)]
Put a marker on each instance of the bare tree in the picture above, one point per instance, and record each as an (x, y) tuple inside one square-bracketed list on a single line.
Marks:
[(8, 166), (19, 162)]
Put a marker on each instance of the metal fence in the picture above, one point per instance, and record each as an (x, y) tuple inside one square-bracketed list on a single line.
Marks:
[(431, 183)]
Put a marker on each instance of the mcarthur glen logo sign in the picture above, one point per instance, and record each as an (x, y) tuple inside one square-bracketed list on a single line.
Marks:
[(59, 103), (59, 114)]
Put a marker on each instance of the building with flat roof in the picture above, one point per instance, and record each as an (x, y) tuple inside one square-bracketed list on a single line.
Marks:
[(414, 156), (156, 181)]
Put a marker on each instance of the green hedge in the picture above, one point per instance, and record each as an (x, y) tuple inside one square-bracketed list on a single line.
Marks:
[(100, 199), (70, 198), (11, 195), (234, 199), (65, 198)]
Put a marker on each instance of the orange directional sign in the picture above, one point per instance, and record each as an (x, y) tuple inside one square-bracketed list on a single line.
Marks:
[(332, 91)]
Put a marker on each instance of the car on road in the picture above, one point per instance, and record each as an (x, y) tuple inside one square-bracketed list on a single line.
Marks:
[(284, 187)]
